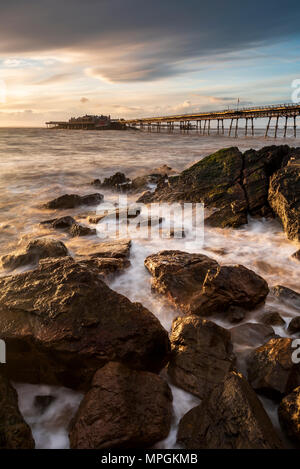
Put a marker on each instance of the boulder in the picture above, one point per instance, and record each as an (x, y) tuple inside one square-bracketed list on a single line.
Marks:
[(60, 223), (61, 322), (294, 325), (289, 415), (123, 409), (229, 182), (201, 354), (272, 318), (230, 417), (251, 334), (112, 249), (35, 250), (73, 200), (80, 230), (107, 266), (284, 198), (14, 431), (271, 369), (286, 295), (197, 284), (117, 182), (296, 255)]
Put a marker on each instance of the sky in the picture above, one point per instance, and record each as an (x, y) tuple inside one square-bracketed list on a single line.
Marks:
[(132, 58)]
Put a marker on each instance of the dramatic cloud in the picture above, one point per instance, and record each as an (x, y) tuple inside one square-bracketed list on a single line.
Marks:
[(147, 40)]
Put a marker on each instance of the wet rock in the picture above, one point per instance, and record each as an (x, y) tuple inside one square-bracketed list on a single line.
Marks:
[(73, 201), (296, 255), (235, 314), (230, 417), (61, 322), (107, 266), (41, 403), (14, 431), (284, 198), (272, 318), (229, 182), (123, 409), (81, 230), (61, 223), (35, 250), (294, 325), (271, 369), (197, 284), (289, 415), (97, 183), (201, 354), (146, 197), (179, 275), (117, 182), (286, 295), (117, 249), (251, 334)]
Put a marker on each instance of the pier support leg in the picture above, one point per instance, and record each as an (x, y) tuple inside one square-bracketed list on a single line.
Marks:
[(236, 128), (223, 126), (208, 129), (230, 127), (246, 127), (285, 126), (204, 128), (276, 127), (218, 128), (295, 127), (268, 125), (252, 127)]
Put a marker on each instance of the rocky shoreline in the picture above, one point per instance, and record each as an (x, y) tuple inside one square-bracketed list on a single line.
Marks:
[(63, 325)]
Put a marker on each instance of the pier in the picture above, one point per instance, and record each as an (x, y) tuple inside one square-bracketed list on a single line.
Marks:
[(201, 122)]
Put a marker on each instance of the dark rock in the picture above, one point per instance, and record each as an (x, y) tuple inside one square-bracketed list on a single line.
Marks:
[(289, 415), (61, 222), (198, 285), (117, 249), (97, 183), (107, 266), (146, 197), (73, 201), (35, 250), (179, 275), (286, 295), (294, 325), (117, 182), (14, 431), (251, 334), (61, 322), (230, 417), (272, 318), (41, 403), (123, 409), (201, 354), (284, 198), (235, 314), (80, 230), (231, 183), (296, 255), (271, 369)]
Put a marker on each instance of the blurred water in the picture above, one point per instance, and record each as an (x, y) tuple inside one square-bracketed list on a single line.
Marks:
[(37, 165)]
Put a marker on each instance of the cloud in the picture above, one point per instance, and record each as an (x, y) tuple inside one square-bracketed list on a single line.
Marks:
[(54, 79), (135, 41)]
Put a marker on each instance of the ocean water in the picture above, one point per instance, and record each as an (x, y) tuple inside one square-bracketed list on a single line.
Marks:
[(37, 165)]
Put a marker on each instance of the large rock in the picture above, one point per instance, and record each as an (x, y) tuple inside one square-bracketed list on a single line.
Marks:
[(123, 409), (117, 181), (296, 255), (271, 369), (230, 417), (286, 295), (119, 249), (70, 225), (14, 431), (35, 250), (201, 354), (251, 334), (289, 414), (199, 285), (73, 201), (284, 198), (61, 322), (231, 183)]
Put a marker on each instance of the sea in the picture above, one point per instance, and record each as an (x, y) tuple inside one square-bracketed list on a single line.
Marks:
[(37, 165)]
